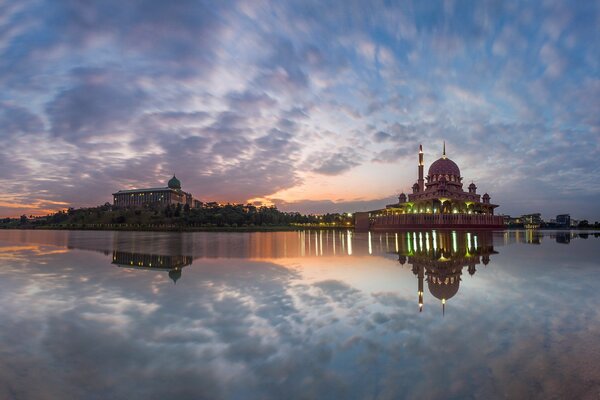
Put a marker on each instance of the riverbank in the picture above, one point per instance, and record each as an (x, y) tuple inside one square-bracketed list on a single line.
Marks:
[(163, 228)]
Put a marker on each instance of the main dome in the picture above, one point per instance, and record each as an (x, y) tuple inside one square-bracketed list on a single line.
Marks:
[(443, 291), (174, 183), (444, 166)]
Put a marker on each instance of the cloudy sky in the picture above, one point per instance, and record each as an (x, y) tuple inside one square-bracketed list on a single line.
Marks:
[(314, 107)]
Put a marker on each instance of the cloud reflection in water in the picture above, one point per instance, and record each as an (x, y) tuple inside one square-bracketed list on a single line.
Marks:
[(290, 315)]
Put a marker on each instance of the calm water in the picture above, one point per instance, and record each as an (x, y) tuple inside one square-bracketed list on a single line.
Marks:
[(307, 315)]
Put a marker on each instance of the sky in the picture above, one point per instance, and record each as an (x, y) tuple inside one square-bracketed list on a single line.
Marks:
[(311, 106)]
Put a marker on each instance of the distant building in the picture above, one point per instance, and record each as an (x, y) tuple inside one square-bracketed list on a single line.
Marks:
[(532, 221), (172, 194), (563, 220)]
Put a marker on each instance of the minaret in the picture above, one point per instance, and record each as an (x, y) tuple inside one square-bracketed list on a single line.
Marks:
[(421, 182), (421, 275)]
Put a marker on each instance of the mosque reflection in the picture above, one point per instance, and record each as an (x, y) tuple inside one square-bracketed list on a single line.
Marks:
[(152, 262), (439, 258)]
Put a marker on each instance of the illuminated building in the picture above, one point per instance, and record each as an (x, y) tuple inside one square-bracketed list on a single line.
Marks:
[(437, 201), (172, 194)]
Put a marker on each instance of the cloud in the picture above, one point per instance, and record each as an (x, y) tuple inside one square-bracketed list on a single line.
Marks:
[(98, 105), (336, 163), (244, 102), (16, 121), (249, 101)]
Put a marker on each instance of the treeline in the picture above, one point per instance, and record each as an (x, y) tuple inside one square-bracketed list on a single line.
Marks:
[(175, 216)]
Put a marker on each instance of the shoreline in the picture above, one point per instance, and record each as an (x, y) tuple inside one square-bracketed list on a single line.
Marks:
[(275, 228)]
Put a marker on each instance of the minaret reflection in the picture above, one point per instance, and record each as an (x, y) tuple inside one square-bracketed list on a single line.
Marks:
[(441, 259)]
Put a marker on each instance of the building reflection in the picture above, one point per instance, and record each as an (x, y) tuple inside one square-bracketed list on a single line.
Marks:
[(442, 254), (439, 258), (173, 264)]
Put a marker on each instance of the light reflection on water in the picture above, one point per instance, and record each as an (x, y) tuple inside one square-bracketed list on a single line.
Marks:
[(307, 314)]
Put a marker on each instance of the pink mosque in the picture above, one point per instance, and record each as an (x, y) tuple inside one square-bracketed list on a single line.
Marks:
[(437, 201)]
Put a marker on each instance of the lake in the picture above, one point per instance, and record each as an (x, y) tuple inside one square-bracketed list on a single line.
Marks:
[(299, 315)]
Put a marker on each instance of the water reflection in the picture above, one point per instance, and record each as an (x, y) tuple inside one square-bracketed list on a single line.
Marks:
[(441, 260), (296, 315), (437, 257), (276, 245), (152, 262)]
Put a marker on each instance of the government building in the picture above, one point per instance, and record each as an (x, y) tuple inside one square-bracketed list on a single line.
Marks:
[(172, 194), (437, 201)]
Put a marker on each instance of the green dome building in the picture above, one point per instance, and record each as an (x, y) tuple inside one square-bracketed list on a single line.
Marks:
[(172, 194)]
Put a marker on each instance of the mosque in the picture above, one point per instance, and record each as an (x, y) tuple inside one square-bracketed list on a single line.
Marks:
[(437, 201), (172, 194)]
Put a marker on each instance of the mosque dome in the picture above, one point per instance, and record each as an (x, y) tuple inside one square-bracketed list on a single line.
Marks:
[(174, 183), (444, 166), (443, 291)]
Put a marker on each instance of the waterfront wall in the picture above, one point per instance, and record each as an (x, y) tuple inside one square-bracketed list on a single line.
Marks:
[(426, 221)]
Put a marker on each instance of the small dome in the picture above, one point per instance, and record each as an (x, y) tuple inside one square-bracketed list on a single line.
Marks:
[(486, 196), (174, 183), (472, 186), (444, 166)]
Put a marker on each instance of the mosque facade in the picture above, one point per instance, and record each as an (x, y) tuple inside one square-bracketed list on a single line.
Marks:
[(438, 200), (171, 194)]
